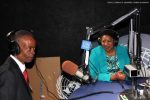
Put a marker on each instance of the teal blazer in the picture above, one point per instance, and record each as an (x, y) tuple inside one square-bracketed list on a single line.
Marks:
[(97, 62)]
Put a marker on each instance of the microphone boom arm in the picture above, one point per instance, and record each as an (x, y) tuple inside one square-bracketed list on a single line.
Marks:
[(124, 17)]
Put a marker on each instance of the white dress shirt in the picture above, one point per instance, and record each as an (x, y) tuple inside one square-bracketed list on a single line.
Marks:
[(20, 64)]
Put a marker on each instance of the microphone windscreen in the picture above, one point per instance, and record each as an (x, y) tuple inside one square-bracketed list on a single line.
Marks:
[(69, 67)]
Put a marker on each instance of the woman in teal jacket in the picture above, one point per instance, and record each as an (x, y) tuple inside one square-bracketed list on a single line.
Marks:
[(107, 60)]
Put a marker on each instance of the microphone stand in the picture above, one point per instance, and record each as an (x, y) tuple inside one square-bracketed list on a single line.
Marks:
[(134, 11), (135, 55), (132, 45), (137, 50), (89, 32), (87, 54), (147, 85)]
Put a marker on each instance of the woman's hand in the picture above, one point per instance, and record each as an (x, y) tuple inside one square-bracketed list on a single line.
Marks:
[(120, 76), (113, 77)]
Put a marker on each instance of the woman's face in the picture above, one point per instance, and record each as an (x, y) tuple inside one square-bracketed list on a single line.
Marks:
[(107, 43)]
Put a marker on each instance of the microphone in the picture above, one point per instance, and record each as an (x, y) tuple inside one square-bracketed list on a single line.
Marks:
[(72, 69)]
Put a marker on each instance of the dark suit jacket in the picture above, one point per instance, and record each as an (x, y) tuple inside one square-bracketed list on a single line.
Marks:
[(12, 83)]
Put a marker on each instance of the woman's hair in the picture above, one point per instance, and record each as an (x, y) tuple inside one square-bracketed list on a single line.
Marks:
[(111, 33)]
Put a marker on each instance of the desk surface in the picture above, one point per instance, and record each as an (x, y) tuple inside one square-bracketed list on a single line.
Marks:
[(99, 89), (102, 87)]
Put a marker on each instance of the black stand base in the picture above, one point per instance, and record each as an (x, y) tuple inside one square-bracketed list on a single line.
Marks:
[(131, 95)]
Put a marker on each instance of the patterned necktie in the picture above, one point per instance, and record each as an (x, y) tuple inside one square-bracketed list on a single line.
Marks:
[(25, 74)]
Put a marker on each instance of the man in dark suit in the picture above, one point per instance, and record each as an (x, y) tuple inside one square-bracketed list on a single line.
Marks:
[(13, 84)]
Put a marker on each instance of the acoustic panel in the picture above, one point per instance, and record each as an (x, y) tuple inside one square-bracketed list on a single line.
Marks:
[(43, 77)]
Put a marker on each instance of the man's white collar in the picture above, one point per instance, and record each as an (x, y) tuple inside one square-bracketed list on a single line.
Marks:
[(21, 65)]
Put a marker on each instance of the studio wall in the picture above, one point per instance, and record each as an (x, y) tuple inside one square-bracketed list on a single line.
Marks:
[(60, 25)]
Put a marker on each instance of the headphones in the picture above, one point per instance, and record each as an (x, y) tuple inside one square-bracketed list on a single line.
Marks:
[(14, 48), (111, 33), (12, 38)]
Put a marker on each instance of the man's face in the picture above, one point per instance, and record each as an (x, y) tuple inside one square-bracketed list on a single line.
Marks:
[(27, 46)]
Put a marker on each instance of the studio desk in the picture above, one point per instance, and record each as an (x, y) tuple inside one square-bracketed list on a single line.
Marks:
[(105, 91)]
